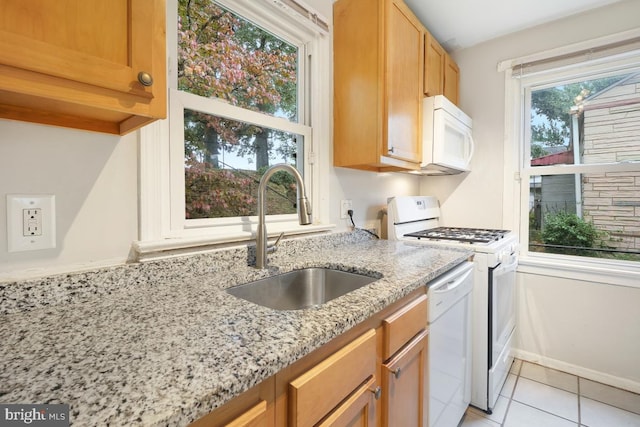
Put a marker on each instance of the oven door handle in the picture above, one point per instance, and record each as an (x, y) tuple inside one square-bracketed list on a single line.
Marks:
[(506, 268)]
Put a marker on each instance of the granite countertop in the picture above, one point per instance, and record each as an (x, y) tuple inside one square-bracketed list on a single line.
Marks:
[(161, 343)]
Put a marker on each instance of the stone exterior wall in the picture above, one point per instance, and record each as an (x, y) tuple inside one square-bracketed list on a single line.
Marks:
[(612, 134)]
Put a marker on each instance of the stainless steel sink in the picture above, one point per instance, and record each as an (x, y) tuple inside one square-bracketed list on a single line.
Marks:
[(299, 289)]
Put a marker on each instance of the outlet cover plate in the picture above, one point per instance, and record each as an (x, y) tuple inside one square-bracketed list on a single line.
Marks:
[(17, 241), (345, 205)]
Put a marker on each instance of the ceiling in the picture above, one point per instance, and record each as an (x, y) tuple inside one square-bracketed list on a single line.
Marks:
[(459, 24)]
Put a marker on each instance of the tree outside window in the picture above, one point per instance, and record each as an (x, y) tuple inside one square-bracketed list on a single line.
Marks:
[(221, 55)]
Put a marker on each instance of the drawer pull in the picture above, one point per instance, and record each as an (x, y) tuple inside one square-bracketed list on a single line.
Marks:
[(145, 78), (377, 392), (397, 372)]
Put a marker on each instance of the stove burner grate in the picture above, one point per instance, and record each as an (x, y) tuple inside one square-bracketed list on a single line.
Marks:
[(467, 235)]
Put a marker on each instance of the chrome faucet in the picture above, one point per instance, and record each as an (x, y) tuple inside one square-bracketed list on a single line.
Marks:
[(304, 210)]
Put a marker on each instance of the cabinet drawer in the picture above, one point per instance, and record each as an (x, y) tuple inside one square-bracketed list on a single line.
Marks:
[(403, 325), (316, 392)]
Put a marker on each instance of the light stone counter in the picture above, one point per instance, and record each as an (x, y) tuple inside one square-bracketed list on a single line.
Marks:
[(162, 344)]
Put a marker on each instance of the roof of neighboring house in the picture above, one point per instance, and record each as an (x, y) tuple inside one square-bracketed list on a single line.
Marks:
[(561, 158), (598, 100)]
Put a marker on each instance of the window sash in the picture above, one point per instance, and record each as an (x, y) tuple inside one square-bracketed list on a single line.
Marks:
[(157, 232), (179, 101), (519, 89)]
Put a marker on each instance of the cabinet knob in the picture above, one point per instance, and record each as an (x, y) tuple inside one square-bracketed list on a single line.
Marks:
[(377, 392), (145, 78), (390, 149), (397, 373)]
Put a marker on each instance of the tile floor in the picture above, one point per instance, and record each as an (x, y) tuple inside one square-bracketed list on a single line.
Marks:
[(534, 396)]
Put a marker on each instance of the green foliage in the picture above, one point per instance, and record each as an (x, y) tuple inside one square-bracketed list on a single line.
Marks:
[(550, 110), (222, 55), (213, 193), (218, 193), (537, 151), (567, 229)]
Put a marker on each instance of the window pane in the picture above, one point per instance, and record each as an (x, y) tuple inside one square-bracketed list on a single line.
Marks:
[(224, 160), (222, 55), (591, 214), (593, 121)]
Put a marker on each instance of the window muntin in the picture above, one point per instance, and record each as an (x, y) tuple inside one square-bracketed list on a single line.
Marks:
[(583, 197)]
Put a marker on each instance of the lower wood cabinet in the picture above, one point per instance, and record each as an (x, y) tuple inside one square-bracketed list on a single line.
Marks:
[(405, 396), (358, 409), (318, 393), (374, 375), (254, 408)]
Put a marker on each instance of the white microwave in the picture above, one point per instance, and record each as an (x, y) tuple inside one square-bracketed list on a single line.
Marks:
[(447, 141)]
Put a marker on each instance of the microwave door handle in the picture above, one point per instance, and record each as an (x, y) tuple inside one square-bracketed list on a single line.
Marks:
[(472, 147)]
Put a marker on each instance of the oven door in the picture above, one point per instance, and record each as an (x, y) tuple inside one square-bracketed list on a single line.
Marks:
[(502, 323)]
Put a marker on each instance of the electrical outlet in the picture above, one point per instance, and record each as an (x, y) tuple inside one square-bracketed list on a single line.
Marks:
[(31, 222), (345, 205)]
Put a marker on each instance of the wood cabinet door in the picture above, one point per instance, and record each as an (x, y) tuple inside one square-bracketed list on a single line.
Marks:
[(77, 63), (404, 69), (405, 396), (451, 80), (358, 410), (101, 43), (318, 391), (434, 59)]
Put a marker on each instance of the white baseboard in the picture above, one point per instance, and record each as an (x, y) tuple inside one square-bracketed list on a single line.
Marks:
[(580, 371)]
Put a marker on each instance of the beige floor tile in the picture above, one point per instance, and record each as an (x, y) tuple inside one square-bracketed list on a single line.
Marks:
[(596, 414), (498, 412), (550, 399), (473, 420), (610, 395), (550, 377), (520, 415), (515, 367), (509, 384)]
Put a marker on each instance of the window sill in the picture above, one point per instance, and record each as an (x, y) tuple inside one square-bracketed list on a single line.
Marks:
[(621, 273), (174, 246)]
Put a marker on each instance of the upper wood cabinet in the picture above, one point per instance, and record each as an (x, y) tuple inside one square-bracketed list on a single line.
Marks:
[(434, 58), (451, 80), (87, 64), (441, 73), (378, 79)]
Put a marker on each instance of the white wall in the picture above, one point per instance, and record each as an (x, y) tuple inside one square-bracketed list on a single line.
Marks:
[(590, 329), (95, 180), (584, 327)]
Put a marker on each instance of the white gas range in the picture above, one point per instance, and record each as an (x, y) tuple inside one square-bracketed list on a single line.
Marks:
[(417, 218)]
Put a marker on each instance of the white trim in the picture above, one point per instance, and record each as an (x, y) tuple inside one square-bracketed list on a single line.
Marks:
[(580, 371), (569, 49), (518, 171), (158, 225), (595, 270), (148, 248)]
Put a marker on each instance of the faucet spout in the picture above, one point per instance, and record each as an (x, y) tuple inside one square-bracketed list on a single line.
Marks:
[(303, 207)]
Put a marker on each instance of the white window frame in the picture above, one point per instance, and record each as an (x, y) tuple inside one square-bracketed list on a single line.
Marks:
[(163, 226), (518, 169)]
